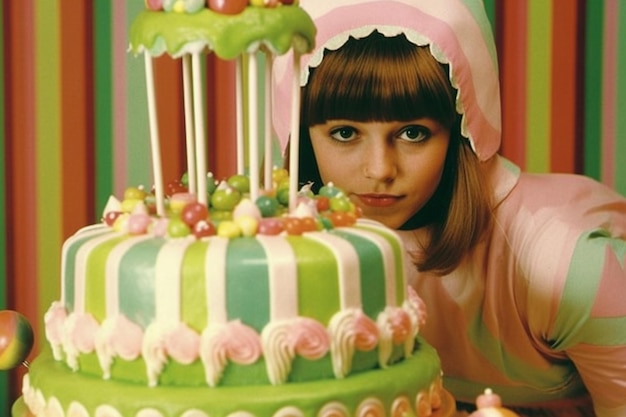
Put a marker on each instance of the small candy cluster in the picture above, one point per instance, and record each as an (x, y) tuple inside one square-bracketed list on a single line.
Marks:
[(219, 6), (230, 212)]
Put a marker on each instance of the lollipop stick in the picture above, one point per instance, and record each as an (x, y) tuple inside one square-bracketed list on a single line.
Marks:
[(253, 125), (201, 169), (189, 125), (294, 141), (154, 138), (267, 172), (239, 116)]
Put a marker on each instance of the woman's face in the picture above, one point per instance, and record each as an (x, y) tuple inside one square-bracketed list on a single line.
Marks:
[(388, 169)]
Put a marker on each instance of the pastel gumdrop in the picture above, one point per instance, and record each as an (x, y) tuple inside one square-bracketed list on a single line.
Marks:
[(16, 339), (228, 229), (247, 224)]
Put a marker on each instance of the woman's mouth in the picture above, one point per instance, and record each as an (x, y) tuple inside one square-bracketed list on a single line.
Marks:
[(378, 200)]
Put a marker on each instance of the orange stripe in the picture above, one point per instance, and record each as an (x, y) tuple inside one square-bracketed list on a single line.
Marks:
[(513, 76), (76, 115), (565, 132), (168, 85), (222, 131), (20, 164)]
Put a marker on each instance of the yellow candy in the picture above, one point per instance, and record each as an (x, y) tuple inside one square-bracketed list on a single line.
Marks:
[(247, 224), (121, 223), (228, 229), (129, 204)]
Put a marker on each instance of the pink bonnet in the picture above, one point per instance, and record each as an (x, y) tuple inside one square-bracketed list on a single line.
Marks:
[(457, 32)]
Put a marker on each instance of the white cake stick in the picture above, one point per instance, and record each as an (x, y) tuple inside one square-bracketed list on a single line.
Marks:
[(200, 135), (294, 140), (157, 170), (267, 164), (253, 125), (241, 163), (189, 126)]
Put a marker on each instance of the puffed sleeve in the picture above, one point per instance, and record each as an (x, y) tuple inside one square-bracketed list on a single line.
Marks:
[(590, 320)]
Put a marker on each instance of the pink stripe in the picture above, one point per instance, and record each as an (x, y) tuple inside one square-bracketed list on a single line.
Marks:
[(609, 90), (120, 42)]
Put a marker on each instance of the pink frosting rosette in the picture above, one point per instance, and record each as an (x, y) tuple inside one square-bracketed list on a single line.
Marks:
[(54, 321), (308, 338), (232, 341), (349, 330), (183, 344), (80, 336)]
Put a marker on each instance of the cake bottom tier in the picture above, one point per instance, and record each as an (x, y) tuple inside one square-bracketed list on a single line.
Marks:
[(411, 388)]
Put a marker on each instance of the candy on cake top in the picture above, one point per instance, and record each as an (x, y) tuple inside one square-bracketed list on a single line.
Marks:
[(230, 28)]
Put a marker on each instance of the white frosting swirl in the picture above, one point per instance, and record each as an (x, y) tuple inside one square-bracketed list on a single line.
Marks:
[(227, 341), (350, 330), (283, 340), (54, 321), (370, 407), (107, 411), (334, 409), (79, 337), (76, 409), (154, 352), (289, 411), (117, 336)]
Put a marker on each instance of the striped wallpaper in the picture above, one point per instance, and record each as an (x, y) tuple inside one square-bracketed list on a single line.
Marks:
[(74, 118)]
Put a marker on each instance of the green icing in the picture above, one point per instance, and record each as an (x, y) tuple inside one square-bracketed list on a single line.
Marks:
[(227, 35), (405, 378), (95, 283), (193, 289), (317, 279)]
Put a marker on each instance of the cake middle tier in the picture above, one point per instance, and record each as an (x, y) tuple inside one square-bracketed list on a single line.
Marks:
[(218, 311)]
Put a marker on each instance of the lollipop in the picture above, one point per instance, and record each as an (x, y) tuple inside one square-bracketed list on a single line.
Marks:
[(16, 339)]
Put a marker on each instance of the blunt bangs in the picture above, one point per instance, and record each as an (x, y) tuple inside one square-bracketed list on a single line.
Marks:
[(410, 84)]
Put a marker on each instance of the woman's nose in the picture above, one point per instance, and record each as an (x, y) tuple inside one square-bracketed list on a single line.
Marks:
[(381, 162)]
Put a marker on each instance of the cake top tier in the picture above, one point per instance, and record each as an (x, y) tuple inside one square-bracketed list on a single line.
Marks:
[(277, 28)]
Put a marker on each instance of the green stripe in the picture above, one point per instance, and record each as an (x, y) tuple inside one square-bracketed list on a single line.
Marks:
[(620, 130), (593, 88), (138, 159), (136, 290), (573, 323), (103, 108), (69, 292), (95, 282), (48, 151), (398, 249), (247, 283), (193, 289), (485, 17), (316, 280), (538, 86)]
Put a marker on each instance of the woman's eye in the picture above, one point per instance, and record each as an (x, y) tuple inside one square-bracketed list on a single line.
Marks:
[(343, 134), (415, 133)]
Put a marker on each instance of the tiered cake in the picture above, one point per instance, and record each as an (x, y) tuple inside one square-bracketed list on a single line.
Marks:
[(245, 297)]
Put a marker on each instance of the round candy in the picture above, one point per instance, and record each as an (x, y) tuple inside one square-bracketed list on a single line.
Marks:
[(16, 339), (194, 212), (228, 6), (240, 183)]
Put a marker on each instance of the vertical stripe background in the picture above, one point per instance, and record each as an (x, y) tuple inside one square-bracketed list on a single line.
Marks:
[(74, 125)]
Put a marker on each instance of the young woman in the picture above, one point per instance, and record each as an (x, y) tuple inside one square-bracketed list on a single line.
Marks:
[(523, 274)]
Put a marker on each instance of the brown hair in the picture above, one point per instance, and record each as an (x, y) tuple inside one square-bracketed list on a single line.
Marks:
[(380, 78)]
